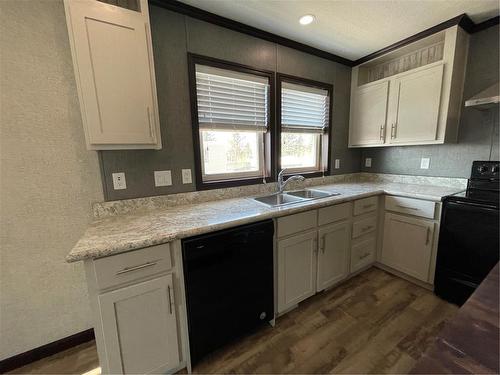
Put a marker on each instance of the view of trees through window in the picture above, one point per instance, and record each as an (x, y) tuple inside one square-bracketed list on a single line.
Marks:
[(299, 150), (230, 151)]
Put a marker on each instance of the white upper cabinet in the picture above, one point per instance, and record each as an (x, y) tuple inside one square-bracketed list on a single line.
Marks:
[(410, 96), (369, 114), (113, 61)]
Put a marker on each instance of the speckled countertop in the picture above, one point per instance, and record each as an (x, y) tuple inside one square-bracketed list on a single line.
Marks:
[(134, 230)]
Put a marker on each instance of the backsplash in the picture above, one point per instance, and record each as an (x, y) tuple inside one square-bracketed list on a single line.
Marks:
[(121, 207)]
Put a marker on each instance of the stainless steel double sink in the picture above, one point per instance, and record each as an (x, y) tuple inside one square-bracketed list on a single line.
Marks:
[(290, 197)]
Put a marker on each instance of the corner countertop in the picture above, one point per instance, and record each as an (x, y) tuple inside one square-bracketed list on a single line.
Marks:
[(469, 343), (113, 235)]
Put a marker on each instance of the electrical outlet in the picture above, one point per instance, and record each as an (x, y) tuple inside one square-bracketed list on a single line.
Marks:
[(337, 163), (368, 162), (186, 176), (163, 178), (119, 182), (424, 163)]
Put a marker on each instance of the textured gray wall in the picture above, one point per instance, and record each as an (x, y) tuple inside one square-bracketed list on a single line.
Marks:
[(48, 180), (478, 132), (173, 36)]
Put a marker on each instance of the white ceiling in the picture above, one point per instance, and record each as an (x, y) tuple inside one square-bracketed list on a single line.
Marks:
[(350, 29)]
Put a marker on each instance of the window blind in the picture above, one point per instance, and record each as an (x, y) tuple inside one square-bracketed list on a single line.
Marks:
[(304, 108), (231, 100)]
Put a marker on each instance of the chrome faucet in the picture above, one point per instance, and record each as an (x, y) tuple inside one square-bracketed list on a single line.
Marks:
[(282, 184)]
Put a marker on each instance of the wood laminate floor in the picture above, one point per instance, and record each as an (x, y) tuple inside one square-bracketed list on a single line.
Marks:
[(373, 323)]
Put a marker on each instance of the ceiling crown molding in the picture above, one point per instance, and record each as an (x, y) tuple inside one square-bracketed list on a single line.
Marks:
[(462, 20)]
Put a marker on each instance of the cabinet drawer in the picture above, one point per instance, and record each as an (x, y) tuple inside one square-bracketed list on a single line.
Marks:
[(362, 206), (364, 226), (297, 223), (126, 267), (363, 253), (335, 213), (411, 206)]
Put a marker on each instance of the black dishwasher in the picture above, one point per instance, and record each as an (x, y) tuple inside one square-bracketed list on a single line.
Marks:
[(229, 285)]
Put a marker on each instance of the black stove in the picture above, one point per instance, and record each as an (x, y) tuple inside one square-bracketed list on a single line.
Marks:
[(469, 235)]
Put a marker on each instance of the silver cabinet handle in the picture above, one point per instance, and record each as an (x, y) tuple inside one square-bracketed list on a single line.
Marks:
[(322, 244), (150, 124), (368, 205), (408, 208), (364, 256), (428, 235), (393, 130), (169, 300), (135, 268), (382, 127), (364, 229)]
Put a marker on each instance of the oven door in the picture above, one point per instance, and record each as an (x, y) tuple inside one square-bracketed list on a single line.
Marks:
[(468, 248)]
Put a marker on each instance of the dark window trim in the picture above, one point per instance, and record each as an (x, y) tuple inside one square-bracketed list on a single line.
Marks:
[(281, 77), (269, 136)]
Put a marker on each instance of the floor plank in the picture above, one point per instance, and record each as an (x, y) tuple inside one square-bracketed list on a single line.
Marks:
[(373, 323)]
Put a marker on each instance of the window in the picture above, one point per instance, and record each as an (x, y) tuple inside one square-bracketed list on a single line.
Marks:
[(304, 125), (232, 122)]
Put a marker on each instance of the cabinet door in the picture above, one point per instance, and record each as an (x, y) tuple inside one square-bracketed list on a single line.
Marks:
[(333, 254), (414, 108), (369, 115), (114, 71), (296, 269), (139, 327), (363, 254), (407, 245)]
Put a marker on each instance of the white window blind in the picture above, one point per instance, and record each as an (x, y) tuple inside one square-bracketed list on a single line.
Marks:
[(304, 108), (231, 100)]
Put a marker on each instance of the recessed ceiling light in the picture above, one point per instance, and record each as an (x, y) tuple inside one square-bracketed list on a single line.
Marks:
[(307, 19)]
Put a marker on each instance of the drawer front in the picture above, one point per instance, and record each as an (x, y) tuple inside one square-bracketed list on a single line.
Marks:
[(410, 206), (335, 213), (297, 223), (126, 267), (364, 226), (363, 253), (362, 206)]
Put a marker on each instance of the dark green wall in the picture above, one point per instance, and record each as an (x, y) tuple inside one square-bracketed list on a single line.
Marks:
[(173, 36), (478, 132)]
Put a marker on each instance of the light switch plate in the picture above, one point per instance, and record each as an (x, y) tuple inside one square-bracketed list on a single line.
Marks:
[(425, 163), (186, 176), (119, 181), (337, 163), (163, 178), (368, 162)]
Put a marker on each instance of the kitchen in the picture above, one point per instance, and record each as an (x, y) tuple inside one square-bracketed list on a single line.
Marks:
[(137, 208)]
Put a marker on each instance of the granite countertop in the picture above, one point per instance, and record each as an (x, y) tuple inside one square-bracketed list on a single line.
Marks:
[(112, 235), (469, 343)]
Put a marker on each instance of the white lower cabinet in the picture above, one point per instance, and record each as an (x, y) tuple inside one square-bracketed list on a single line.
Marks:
[(407, 245), (363, 253), (140, 327), (296, 269), (333, 254)]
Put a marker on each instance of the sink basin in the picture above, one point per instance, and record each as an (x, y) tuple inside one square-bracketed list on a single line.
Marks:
[(311, 194), (278, 199)]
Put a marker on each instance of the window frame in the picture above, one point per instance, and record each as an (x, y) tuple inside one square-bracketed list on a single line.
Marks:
[(325, 149), (268, 170)]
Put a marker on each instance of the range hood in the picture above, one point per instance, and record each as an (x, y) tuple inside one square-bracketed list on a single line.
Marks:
[(485, 99)]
